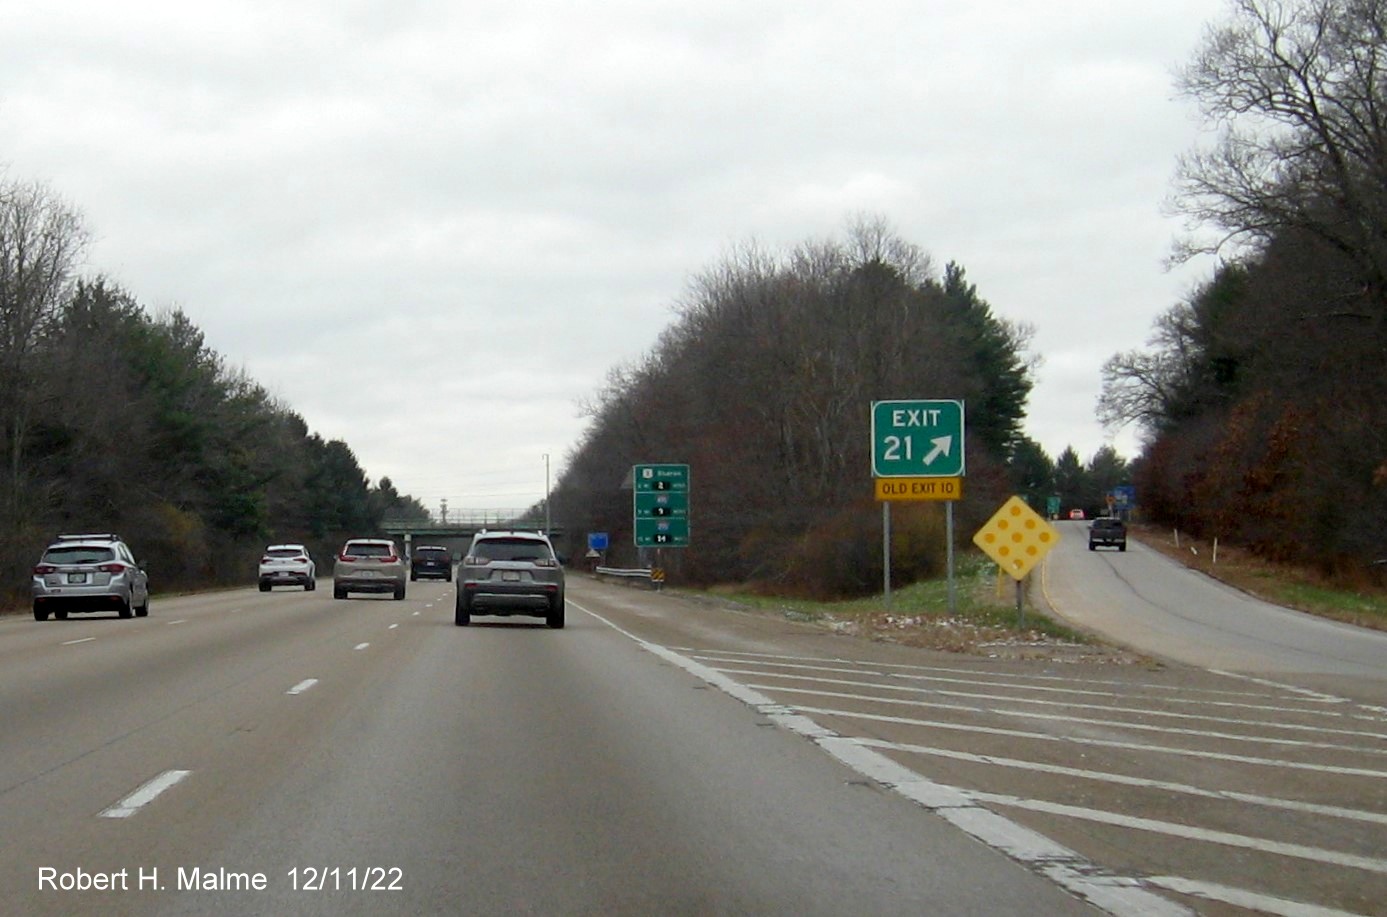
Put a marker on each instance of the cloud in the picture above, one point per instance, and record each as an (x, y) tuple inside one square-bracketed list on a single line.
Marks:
[(432, 227)]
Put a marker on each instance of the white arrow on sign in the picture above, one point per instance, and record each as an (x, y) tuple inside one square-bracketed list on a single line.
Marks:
[(942, 445)]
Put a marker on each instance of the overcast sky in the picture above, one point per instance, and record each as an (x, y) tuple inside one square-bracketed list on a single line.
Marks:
[(431, 226)]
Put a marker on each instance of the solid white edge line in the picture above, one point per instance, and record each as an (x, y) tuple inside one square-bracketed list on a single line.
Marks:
[(1313, 696), (1125, 780), (144, 795), (1117, 895), (81, 640), (1172, 829), (1098, 743), (725, 665), (361, 646), (1239, 897), (1034, 715)]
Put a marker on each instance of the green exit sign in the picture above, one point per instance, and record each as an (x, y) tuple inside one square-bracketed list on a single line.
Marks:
[(917, 439), (661, 504)]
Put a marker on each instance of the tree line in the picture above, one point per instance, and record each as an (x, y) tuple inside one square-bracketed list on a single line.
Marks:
[(115, 420), (763, 386), (1262, 397)]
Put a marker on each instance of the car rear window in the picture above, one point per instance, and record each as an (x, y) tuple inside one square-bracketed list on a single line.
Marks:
[(77, 554), (431, 553), (368, 550), (287, 552), (512, 549)]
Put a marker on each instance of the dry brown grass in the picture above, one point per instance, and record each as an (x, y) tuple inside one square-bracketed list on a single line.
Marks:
[(1362, 602)]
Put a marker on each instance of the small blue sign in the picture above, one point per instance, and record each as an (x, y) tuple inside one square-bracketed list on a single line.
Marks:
[(597, 541)]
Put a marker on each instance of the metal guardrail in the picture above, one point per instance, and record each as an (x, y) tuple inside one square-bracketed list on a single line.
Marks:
[(637, 573), (655, 577)]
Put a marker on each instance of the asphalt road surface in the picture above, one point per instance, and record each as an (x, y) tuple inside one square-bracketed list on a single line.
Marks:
[(285, 753), (1142, 599)]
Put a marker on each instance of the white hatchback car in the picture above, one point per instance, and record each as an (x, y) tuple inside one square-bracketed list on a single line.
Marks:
[(287, 565)]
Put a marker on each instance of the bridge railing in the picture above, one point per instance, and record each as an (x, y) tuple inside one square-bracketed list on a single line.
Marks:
[(510, 518)]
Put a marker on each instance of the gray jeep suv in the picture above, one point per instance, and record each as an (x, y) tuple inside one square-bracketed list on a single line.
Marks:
[(510, 572)]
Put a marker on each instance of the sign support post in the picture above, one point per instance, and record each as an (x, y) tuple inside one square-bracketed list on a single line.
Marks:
[(949, 537), (886, 551)]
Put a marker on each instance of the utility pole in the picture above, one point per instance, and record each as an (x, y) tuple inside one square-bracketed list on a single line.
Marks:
[(547, 525)]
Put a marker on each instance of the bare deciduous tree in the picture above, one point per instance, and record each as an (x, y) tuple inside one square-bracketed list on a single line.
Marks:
[(1298, 91), (42, 239)]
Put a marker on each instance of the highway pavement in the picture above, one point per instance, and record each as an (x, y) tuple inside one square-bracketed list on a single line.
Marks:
[(285, 753)]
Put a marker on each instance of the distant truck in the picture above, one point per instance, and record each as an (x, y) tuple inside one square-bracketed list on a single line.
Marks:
[(1108, 532)]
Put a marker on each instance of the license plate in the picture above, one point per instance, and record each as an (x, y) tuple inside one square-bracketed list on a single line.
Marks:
[(510, 576), (77, 577)]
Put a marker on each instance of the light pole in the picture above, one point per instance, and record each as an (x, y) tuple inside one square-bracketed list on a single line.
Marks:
[(547, 526)]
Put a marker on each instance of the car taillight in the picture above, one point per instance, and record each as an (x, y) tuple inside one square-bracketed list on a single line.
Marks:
[(476, 561), (546, 562), (392, 559), (344, 556), (112, 568), (265, 559), (44, 569), (300, 560)]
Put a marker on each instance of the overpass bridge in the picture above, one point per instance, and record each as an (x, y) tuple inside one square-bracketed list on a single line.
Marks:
[(455, 533)]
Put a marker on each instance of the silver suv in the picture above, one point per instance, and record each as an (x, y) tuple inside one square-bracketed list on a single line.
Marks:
[(287, 565), (368, 565), (507, 573), (84, 573)]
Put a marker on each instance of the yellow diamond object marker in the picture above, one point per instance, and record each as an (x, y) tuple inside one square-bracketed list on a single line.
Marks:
[(1016, 537)]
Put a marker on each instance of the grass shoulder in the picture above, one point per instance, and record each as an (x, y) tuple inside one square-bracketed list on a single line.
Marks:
[(1362, 602), (984, 621)]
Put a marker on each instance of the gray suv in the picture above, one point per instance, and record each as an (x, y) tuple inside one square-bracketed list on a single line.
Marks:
[(84, 573), (510, 572), (368, 565)]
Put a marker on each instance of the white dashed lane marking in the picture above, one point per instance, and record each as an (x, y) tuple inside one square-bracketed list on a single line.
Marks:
[(145, 795), (302, 686)]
